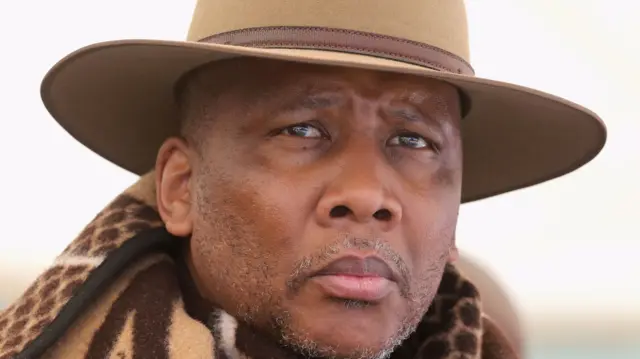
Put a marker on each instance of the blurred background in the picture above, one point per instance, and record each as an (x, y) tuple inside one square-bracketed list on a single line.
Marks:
[(566, 251)]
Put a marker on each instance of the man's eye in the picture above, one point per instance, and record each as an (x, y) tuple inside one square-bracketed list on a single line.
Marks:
[(412, 141), (302, 130)]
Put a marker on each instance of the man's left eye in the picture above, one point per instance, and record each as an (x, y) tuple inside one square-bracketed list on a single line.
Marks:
[(411, 141)]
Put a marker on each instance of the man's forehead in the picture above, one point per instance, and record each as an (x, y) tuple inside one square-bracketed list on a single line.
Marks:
[(262, 80)]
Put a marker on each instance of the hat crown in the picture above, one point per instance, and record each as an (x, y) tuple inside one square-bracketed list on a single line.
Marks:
[(438, 23)]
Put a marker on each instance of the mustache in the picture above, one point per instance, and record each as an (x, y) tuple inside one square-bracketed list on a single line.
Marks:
[(307, 266)]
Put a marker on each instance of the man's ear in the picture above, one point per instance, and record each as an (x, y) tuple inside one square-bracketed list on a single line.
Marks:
[(453, 250), (173, 195), (453, 253)]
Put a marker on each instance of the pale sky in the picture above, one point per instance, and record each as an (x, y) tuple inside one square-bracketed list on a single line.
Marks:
[(568, 246)]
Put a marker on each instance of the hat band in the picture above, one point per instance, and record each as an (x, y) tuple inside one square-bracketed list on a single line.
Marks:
[(350, 41)]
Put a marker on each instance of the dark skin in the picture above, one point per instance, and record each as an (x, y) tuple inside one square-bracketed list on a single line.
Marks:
[(285, 167)]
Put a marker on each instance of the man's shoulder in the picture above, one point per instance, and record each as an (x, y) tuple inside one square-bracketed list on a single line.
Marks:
[(495, 344)]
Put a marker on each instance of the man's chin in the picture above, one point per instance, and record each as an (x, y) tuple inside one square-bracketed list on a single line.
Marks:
[(348, 338), (342, 348)]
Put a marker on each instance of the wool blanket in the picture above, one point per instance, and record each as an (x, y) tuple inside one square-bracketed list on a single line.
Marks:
[(115, 293)]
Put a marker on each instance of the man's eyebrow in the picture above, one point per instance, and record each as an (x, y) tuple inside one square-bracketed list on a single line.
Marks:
[(408, 114), (415, 107), (313, 98)]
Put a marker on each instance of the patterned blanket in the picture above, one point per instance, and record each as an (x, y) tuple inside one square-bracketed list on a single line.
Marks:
[(115, 293)]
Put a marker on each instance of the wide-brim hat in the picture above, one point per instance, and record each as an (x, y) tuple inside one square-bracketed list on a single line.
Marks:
[(117, 98)]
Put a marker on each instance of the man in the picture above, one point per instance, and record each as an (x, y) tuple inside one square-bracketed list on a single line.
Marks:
[(302, 170)]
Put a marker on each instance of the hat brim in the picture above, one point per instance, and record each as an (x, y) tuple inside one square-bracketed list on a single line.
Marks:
[(117, 99)]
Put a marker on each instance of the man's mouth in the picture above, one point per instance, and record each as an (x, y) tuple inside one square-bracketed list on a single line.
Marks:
[(367, 279)]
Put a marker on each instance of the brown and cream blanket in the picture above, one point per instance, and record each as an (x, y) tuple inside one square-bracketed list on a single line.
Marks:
[(114, 293)]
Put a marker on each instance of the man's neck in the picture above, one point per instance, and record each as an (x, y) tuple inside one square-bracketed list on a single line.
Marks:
[(258, 345)]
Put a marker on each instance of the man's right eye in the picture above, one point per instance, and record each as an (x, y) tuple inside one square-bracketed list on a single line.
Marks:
[(302, 130)]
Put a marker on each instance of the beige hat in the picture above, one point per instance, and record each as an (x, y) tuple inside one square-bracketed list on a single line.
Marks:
[(117, 97)]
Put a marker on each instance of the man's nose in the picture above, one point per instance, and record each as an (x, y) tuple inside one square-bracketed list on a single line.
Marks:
[(360, 193)]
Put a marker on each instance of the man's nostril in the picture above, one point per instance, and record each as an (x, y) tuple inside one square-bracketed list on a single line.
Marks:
[(339, 211), (382, 215)]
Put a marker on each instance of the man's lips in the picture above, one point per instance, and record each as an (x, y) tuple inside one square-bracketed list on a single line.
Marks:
[(367, 279), (358, 267)]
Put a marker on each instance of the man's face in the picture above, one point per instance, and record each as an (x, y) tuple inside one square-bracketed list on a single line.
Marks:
[(322, 202)]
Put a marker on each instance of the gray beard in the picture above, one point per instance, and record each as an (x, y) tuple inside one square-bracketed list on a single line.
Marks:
[(310, 349), (294, 344)]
